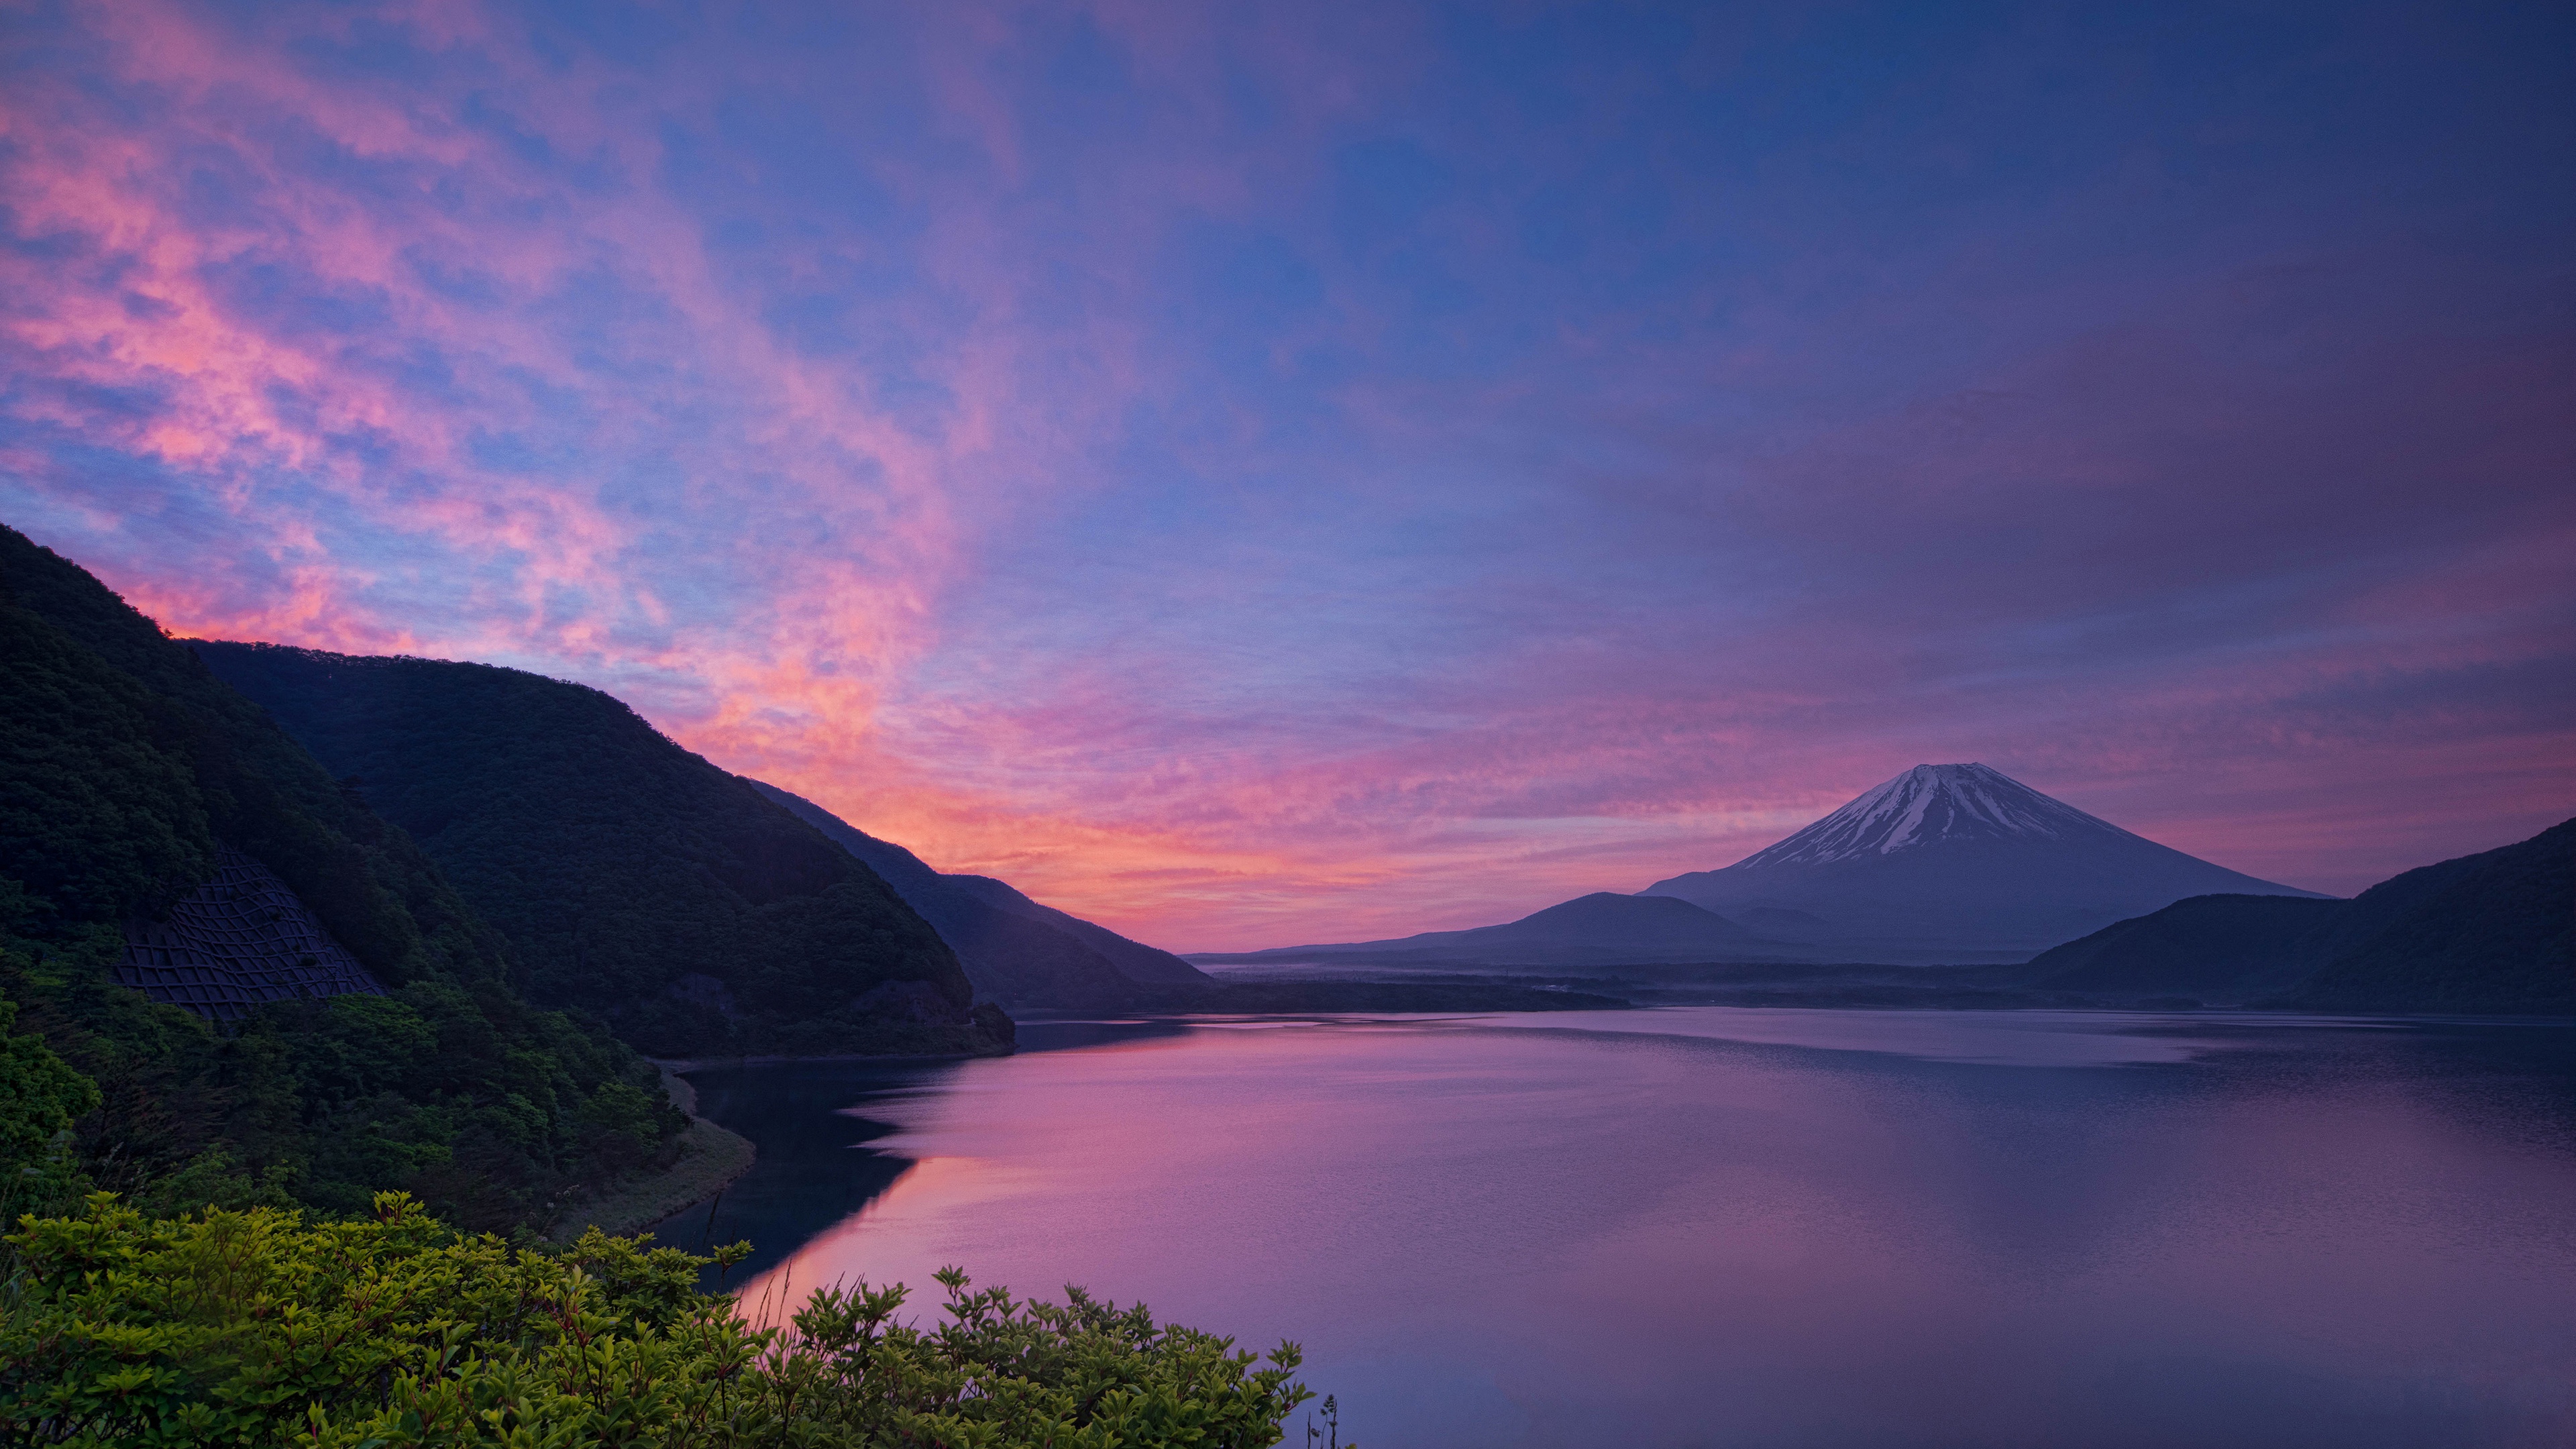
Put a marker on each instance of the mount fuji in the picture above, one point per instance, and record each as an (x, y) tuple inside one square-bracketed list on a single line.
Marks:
[(1954, 862)]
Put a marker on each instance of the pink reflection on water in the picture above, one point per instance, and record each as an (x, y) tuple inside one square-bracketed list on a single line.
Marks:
[(1721, 1226), (2018, 1038)]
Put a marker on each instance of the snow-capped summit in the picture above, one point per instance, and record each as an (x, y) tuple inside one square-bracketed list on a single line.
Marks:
[(1956, 861), (1929, 804)]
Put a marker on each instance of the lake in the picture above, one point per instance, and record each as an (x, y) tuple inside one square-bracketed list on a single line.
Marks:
[(1727, 1226)]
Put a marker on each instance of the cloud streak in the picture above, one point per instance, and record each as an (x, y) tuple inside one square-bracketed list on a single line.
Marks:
[(1252, 477)]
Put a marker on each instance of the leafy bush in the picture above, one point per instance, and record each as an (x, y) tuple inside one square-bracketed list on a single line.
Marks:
[(259, 1328), (40, 1098)]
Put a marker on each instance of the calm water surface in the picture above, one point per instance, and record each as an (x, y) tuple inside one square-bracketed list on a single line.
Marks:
[(1719, 1226)]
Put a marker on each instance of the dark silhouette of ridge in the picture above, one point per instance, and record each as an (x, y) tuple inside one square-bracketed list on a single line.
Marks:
[(1601, 929), (1139, 961), (2215, 948), (274, 988), (634, 880), (1016, 951), (2485, 933)]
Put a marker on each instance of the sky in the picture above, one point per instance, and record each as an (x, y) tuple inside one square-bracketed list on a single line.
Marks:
[(1264, 474)]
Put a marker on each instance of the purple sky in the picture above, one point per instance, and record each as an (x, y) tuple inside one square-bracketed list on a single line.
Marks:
[(1306, 472)]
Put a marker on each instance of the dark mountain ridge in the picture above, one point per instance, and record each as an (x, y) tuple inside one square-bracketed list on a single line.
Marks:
[(2223, 947), (634, 880), (1140, 962), (1601, 929), (1016, 951), (2484, 933), (159, 830)]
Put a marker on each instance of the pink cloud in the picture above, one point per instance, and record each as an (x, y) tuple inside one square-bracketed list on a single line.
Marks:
[(1002, 561)]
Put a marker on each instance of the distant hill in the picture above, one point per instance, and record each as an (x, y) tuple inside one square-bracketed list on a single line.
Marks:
[(1954, 862), (170, 858), (2483, 933), (1016, 951), (1602, 929), (2486, 933), (634, 880), (1139, 961), (2215, 948)]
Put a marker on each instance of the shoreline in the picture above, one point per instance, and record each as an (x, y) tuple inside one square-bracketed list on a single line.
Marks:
[(712, 1158), (673, 1065)]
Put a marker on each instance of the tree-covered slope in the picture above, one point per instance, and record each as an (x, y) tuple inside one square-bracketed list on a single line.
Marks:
[(2482, 933), (124, 764), (1016, 951), (633, 879), (248, 782), (2493, 932), (2207, 946), (1135, 959)]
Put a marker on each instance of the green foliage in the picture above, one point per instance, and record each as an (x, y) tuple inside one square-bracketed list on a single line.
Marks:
[(122, 760), (259, 1328), (164, 1077), (40, 1097), (634, 880), (463, 1095), (171, 748), (99, 807)]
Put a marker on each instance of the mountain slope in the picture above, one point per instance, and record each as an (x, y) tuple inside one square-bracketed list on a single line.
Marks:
[(1015, 951), (135, 789), (1602, 929), (2215, 948), (634, 880), (1958, 860), (2482, 933), (1137, 960)]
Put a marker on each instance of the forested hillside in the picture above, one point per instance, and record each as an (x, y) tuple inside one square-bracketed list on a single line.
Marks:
[(1135, 959), (123, 763), (2493, 932), (633, 879), (2217, 947)]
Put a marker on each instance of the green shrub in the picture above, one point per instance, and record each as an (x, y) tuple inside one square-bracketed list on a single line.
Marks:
[(40, 1097), (261, 1328)]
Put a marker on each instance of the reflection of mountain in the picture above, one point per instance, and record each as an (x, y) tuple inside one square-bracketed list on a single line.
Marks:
[(1602, 929), (2483, 933), (1957, 861), (1016, 951), (823, 1131)]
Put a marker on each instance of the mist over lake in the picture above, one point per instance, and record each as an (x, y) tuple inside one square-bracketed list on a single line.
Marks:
[(1721, 1226)]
